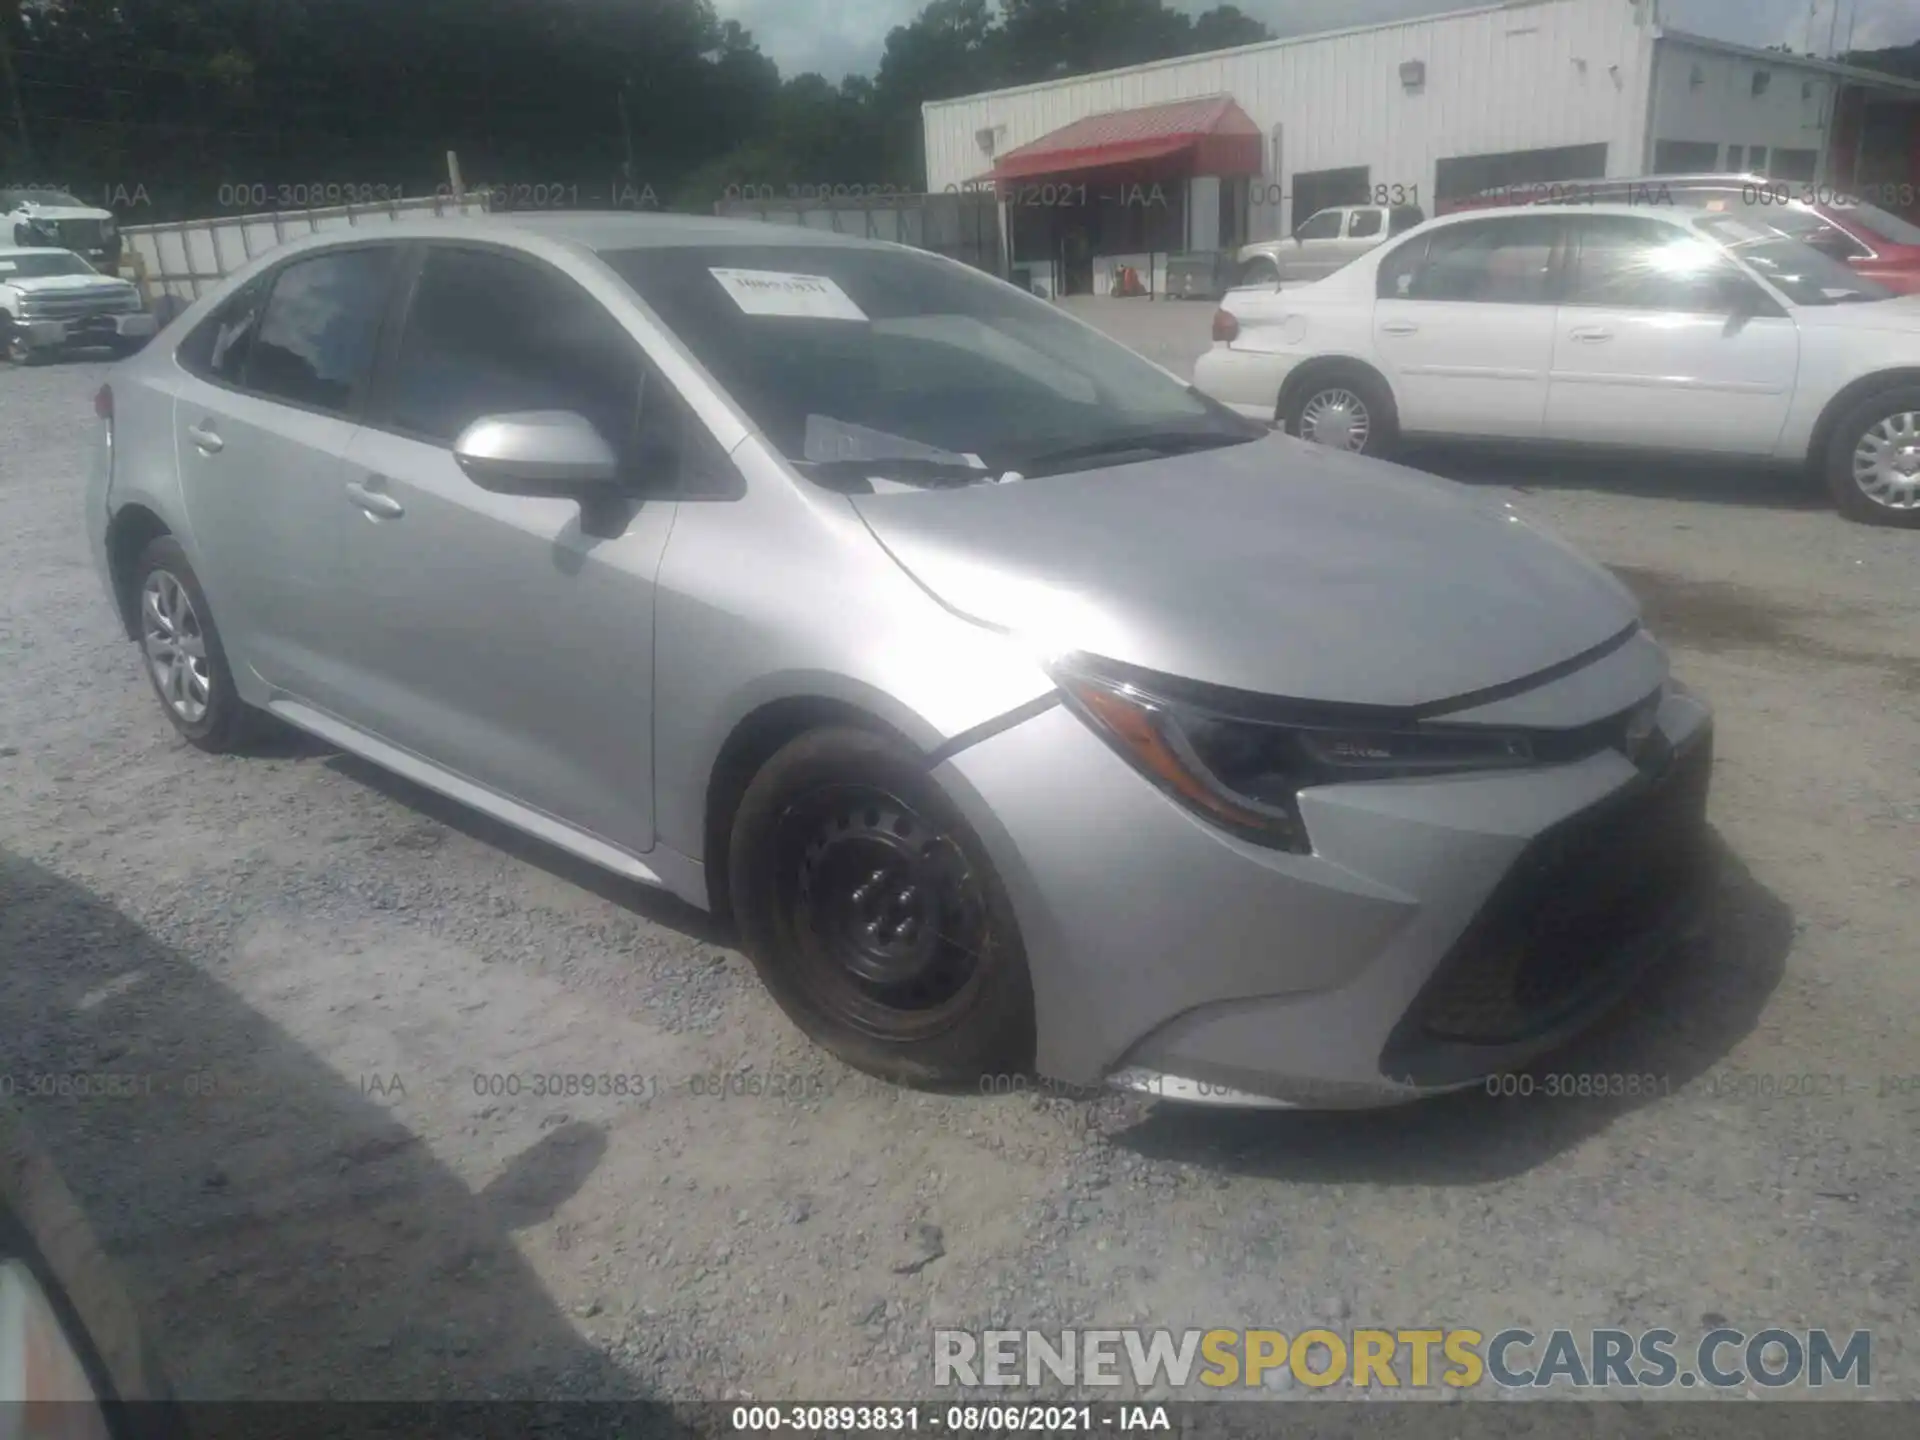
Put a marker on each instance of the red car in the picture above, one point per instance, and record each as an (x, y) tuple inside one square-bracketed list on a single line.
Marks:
[(1874, 241)]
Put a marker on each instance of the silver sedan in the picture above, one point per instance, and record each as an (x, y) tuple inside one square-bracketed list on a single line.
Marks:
[(1025, 710)]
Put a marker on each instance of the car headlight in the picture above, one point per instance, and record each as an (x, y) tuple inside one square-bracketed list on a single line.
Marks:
[(107, 228), (1246, 775), (39, 1365)]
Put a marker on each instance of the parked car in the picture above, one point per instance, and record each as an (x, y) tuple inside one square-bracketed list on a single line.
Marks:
[(75, 1361), (1662, 329), (38, 216), (843, 589), (1873, 241), (1323, 242), (52, 300)]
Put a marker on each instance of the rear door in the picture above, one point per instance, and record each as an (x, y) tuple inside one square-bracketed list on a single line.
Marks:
[(275, 381), (1662, 341), (1463, 325), (509, 638)]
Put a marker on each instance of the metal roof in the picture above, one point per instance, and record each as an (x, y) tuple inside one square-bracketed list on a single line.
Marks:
[(1214, 124)]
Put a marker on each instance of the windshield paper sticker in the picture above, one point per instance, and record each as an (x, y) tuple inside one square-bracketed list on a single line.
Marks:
[(770, 292), (829, 439)]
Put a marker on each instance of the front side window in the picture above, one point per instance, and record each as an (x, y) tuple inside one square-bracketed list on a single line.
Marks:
[(844, 355), (217, 348), (1633, 264), (1495, 262), (316, 340), (1800, 272), (1325, 225), (490, 333)]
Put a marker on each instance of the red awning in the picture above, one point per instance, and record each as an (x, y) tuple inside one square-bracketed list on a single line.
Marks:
[(1213, 136)]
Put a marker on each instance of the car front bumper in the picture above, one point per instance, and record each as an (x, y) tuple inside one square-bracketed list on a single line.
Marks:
[(83, 330), (1442, 931)]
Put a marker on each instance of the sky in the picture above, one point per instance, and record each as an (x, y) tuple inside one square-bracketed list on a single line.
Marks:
[(839, 37)]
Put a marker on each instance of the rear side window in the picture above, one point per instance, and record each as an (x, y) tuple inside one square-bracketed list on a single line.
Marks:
[(217, 348), (1363, 223), (316, 341), (1494, 262)]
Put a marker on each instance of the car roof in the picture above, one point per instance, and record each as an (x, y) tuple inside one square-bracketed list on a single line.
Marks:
[(6, 250), (601, 230), (1495, 212)]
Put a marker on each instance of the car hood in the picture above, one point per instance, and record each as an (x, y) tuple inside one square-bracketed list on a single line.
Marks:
[(60, 284), (1900, 313), (1275, 566)]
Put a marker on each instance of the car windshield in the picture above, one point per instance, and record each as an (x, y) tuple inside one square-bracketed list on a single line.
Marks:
[(30, 265), (1883, 223), (13, 199), (847, 356), (1798, 271)]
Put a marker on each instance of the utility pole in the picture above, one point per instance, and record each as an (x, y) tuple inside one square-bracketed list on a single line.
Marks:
[(13, 86)]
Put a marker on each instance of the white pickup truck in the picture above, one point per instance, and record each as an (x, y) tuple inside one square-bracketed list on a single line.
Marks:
[(52, 300), (1323, 242)]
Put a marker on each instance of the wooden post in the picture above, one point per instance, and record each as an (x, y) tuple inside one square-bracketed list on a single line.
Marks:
[(454, 183)]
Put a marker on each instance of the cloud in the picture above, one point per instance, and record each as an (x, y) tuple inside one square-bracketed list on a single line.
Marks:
[(840, 37)]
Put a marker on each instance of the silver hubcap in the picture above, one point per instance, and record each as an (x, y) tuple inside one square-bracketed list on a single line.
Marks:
[(1338, 418), (1886, 462), (175, 645)]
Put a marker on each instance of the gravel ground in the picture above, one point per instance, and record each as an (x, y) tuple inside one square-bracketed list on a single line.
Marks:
[(315, 975)]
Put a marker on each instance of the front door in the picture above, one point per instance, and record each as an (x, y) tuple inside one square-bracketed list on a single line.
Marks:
[(1662, 341), (509, 639), (1463, 325)]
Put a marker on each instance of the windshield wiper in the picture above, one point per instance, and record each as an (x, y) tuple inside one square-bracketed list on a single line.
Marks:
[(1157, 442), (908, 471)]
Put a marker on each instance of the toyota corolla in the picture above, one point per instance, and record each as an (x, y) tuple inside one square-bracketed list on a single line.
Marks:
[(1025, 709)]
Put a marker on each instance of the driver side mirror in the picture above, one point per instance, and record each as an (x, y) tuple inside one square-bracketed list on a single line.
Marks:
[(551, 453)]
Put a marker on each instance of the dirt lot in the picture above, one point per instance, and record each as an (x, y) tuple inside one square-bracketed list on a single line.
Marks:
[(322, 982)]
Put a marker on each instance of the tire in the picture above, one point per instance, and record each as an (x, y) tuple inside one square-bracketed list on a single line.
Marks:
[(1890, 417), (944, 998), (200, 699), (18, 352), (1326, 395)]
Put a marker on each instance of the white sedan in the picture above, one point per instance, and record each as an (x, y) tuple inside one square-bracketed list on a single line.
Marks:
[(1636, 327)]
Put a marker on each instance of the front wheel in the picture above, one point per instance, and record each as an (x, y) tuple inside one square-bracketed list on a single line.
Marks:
[(181, 649), (14, 341), (1873, 459), (873, 916), (1343, 411)]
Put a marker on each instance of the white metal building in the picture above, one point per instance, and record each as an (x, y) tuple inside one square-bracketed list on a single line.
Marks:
[(1431, 109)]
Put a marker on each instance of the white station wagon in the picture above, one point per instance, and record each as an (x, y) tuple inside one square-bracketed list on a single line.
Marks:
[(1637, 327)]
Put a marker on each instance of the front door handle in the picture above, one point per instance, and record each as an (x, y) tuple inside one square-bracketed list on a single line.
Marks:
[(377, 504), (205, 438), (1590, 334), (1399, 327)]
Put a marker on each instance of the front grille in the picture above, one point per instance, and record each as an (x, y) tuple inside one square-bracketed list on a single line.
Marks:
[(66, 304), (1575, 908)]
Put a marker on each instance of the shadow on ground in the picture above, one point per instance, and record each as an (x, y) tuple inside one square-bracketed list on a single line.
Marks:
[(279, 1232), (1675, 1029)]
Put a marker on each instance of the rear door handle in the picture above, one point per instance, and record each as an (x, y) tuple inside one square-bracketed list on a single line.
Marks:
[(377, 504), (1399, 327), (1590, 334), (205, 438)]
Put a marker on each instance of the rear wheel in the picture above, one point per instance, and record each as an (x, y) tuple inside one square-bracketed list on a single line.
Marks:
[(873, 915), (1343, 410), (1873, 459), (181, 649)]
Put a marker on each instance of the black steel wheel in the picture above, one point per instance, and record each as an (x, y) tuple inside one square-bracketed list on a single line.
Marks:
[(873, 914)]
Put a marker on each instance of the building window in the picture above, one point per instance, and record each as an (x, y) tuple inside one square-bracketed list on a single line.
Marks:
[(1461, 176), (1735, 155), (1685, 157), (1757, 159), (1795, 164), (1317, 190)]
